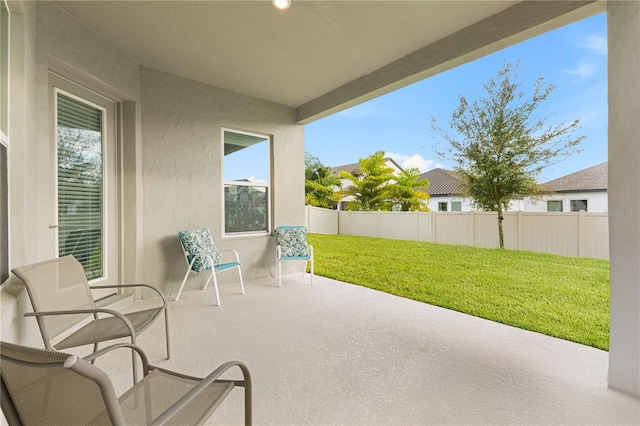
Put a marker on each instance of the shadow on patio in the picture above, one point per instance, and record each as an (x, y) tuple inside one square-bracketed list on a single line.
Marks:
[(337, 353)]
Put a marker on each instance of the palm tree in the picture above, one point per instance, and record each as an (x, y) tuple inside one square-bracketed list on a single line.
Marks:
[(319, 186), (369, 188), (408, 192)]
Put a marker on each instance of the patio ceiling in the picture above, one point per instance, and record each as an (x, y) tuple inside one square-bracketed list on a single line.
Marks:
[(317, 56)]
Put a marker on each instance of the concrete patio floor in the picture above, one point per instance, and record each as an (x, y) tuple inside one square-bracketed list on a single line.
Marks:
[(336, 353)]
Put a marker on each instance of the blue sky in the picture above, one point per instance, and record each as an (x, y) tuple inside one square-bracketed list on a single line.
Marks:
[(573, 58)]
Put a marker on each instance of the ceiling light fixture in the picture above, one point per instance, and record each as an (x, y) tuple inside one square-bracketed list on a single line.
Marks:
[(281, 4)]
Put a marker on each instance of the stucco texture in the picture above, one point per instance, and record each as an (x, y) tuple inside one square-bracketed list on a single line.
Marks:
[(182, 122)]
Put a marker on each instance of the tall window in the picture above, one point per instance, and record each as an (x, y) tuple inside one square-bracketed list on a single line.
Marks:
[(80, 202), (4, 142), (554, 205), (246, 183)]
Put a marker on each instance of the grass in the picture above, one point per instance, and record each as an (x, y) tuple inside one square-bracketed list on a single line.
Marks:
[(559, 296)]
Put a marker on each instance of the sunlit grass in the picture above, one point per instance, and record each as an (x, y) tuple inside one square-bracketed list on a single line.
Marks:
[(559, 296)]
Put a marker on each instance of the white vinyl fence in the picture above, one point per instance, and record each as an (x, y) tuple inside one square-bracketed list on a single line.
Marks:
[(567, 234)]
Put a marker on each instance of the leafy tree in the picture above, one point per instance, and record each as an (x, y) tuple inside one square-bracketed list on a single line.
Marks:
[(319, 185), (369, 187), (408, 192), (500, 145)]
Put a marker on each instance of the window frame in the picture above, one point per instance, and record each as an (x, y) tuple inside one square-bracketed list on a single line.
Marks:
[(571, 203), (269, 187), (74, 87), (555, 202), (457, 203), (442, 204)]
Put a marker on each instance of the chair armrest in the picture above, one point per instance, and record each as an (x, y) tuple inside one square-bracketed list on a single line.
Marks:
[(235, 253), (136, 348), (117, 314), (193, 393), (131, 286)]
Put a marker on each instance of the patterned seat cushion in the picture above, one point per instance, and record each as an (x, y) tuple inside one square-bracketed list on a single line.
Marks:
[(199, 243), (292, 241)]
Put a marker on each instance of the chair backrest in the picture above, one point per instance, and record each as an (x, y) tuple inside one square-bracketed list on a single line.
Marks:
[(56, 285), (292, 241), (48, 387), (198, 244)]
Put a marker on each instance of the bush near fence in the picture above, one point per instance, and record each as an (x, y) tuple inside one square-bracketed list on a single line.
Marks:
[(579, 234)]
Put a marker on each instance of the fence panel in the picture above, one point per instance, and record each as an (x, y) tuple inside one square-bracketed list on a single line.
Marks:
[(399, 225), (596, 236), (324, 221), (567, 234)]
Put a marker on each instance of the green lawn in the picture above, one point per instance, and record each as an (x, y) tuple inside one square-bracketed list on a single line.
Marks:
[(559, 296)]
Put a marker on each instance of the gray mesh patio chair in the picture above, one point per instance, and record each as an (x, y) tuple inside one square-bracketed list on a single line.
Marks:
[(61, 299), (201, 253), (291, 244), (42, 387)]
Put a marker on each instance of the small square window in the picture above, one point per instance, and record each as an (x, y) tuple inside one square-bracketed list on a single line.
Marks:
[(577, 205), (456, 206), (554, 206), (442, 207)]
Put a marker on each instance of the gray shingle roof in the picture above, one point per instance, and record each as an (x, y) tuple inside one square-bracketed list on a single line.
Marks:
[(442, 182), (590, 179), (354, 168)]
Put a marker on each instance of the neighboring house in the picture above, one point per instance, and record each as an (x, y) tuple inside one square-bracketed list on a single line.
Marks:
[(444, 193), (354, 169), (582, 190), (168, 91)]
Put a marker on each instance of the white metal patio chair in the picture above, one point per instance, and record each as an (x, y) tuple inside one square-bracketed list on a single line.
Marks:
[(291, 244), (202, 255), (41, 387)]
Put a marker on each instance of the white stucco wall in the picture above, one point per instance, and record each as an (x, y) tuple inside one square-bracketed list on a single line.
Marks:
[(182, 172), (434, 200), (596, 202), (182, 131), (42, 39)]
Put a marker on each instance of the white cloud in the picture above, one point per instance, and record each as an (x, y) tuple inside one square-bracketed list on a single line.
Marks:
[(595, 43), (583, 69), (414, 160), (256, 180)]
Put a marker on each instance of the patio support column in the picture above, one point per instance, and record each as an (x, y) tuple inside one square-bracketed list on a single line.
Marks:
[(623, 26)]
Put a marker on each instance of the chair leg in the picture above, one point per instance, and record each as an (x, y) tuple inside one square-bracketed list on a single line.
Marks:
[(208, 280), (184, 281), (241, 282), (279, 272), (215, 286), (166, 330), (311, 260), (95, 349)]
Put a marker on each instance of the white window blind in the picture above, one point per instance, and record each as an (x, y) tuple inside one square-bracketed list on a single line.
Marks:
[(80, 212)]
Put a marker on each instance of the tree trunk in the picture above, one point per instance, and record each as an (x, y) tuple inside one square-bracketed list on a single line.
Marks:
[(500, 231)]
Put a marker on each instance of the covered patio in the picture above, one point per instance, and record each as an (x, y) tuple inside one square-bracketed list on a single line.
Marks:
[(336, 353), (171, 79)]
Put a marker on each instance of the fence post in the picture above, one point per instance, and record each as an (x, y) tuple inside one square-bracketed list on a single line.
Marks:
[(473, 228), (433, 227), (581, 232), (519, 243)]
